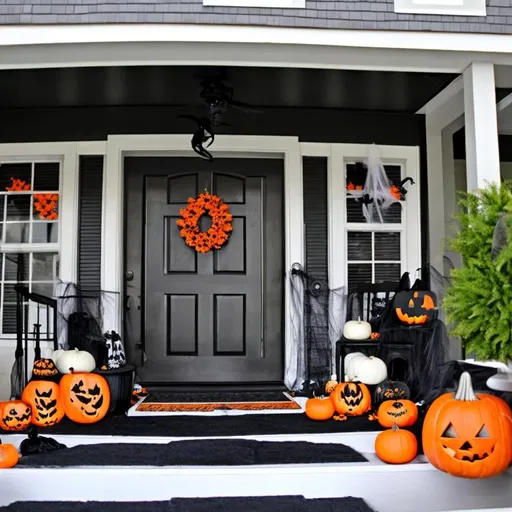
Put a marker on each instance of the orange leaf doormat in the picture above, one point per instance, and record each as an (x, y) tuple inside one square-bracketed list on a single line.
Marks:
[(217, 234)]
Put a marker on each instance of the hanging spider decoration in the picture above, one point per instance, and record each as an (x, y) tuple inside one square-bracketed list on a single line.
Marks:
[(203, 135)]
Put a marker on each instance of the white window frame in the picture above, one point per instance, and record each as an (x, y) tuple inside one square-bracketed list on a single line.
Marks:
[(66, 247), (410, 246), (270, 4), (442, 7)]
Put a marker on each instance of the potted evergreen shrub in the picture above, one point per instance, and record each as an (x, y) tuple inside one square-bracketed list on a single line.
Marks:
[(478, 304)]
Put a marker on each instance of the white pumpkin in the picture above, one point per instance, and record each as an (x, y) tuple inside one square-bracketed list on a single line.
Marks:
[(357, 330), (347, 362), (367, 370), (80, 361)]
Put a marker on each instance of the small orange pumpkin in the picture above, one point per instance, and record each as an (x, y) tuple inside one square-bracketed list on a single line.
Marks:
[(43, 396), (14, 415), (9, 456), (319, 408), (403, 413), (396, 446), (351, 398), (468, 435), (86, 397)]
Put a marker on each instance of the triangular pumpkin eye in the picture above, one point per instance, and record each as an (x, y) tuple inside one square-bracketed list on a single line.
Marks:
[(483, 432), (450, 432)]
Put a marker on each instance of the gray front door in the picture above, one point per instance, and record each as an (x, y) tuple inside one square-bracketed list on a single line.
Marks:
[(204, 318)]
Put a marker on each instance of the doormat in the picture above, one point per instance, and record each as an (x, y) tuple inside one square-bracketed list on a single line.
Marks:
[(197, 452), (218, 403), (241, 504)]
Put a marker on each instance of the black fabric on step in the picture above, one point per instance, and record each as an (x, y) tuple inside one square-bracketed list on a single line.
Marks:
[(242, 504), (211, 426), (203, 452)]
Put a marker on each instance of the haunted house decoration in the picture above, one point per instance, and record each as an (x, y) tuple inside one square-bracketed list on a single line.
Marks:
[(379, 193)]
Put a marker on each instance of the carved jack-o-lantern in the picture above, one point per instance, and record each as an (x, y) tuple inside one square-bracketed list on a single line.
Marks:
[(14, 415), (415, 307), (468, 435), (402, 413), (45, 401), (86, 397), (391, 390), (45, 369), (351, 398)]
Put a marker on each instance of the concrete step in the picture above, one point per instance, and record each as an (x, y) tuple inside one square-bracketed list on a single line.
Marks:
[(404, 488)]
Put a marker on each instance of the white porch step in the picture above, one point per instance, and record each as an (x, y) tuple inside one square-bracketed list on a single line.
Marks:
[(405, 488)]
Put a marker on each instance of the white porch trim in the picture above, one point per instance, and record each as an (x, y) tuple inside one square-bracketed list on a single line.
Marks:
[(35, 46), (119, 146), (481, 124)]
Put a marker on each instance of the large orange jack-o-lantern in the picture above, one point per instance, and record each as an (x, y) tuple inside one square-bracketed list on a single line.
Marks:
[(44, 398), (14, 415), (415, 307), (351, 398), (86, 397), (468, 435)]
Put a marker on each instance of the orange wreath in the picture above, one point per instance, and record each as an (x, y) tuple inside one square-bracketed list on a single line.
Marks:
[(217, 234)]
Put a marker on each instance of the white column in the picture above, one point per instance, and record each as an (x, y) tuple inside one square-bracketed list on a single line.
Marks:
[(482, 149)]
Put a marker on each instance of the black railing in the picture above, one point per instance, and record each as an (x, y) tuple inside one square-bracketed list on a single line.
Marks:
[(45, 309)]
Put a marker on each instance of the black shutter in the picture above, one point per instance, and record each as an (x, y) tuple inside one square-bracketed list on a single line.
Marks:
[(314, 171), (90, 218)]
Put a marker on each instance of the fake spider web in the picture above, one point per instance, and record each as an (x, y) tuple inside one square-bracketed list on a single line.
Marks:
[(317, 315)]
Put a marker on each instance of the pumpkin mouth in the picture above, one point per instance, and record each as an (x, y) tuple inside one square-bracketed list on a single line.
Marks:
[(466, 455), (411, 319)]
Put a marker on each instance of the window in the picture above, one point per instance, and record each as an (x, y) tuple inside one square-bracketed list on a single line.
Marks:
[(29, 234), (447, 7), (373, 250), (279, 4)]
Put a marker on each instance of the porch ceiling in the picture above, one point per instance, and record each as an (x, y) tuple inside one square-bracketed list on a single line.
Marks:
[(261, 87)]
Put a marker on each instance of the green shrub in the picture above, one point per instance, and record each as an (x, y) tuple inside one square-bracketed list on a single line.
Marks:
[(478, 304)]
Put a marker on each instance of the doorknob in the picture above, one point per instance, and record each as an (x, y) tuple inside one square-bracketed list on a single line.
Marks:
[(129, 275)]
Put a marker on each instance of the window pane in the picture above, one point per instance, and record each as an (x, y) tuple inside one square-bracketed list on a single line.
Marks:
[(9, 319), (21, 171), (17, 233), (387, 246), (43, 266), (359, 246), (387, 272), (46, 206), (18, 207), (46, 176), (45, 232), (16, 267), (43, 289), (359, 273)]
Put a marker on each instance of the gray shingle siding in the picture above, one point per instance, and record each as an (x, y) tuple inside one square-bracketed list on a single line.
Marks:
[(362, 14)]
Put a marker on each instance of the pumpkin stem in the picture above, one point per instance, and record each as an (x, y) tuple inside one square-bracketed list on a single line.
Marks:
[(465, 390), (394, 428)]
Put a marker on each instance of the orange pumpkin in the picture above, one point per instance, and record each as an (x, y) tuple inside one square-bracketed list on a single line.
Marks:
[(9, 456), (415, 307), (44, 398), (319, 408), (403, 413), (396, 446), (14, 415), (86, 397), (351, 398), (468, 435)]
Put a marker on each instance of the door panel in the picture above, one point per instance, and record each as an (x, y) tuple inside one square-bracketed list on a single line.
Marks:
[(215, 317)]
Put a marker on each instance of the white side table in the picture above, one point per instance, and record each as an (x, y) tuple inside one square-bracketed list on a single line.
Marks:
[(502, 382)]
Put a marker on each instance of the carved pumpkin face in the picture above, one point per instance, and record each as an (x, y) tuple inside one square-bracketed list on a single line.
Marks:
[(391, 390), (86, 397), (14, 415), (468, 435), (415, 307), (402, 413), (351, 398), (46, 403), (44, 368)]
